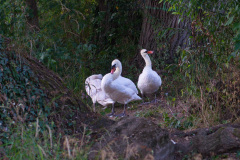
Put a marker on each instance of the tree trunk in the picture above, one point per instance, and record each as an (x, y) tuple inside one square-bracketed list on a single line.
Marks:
[(32, 19), (162, 31), (139, 138), (208, 141)]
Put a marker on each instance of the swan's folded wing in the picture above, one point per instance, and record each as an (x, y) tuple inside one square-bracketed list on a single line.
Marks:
[(127, 83), (92, 85), (103, 98), (95, 76)]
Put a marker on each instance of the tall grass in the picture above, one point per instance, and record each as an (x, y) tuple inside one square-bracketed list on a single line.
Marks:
[(38, 140)]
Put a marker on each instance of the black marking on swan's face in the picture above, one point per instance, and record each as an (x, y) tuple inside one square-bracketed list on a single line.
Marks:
[(113, 68)]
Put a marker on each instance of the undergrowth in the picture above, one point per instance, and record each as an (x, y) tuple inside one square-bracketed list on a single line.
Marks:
[(211, 93), (38, 140), (21, 97)]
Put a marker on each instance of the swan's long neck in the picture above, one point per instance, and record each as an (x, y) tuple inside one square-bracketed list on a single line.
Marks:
[(147, 61), (117, 72)]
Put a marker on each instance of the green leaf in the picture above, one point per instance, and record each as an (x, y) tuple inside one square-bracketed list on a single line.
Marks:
[(230, 20), (236, 26), (233, 54), (237, 46), (160, 1), (40, 152), (175, 13), (174, 99)]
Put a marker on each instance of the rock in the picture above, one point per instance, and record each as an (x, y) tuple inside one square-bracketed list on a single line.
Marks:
[(134, 138)]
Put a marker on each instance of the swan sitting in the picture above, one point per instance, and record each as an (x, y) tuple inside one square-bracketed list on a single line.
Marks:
[(117, 87), (149, 81), (93, 89)]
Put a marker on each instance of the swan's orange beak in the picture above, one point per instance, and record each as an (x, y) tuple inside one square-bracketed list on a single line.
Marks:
[(149, 52), (113, 70)]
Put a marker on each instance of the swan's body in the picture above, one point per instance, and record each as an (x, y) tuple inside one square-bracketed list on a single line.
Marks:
[(127, 83), (118, 92), (117, 87), (93, 89), (149, 81)]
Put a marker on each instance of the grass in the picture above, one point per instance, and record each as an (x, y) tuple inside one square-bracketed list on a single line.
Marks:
[(39, 141), (147, 113), (26, 143)]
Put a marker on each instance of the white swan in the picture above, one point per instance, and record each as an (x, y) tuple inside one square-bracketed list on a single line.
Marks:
[(149, 81), (93, 89), (117, 89), (122, 80)]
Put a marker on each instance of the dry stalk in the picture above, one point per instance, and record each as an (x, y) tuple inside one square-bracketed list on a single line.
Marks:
[(84, 131), (202, 107), (44, 153), (50, 135), (22, 134), (37, 130), (68, 148)]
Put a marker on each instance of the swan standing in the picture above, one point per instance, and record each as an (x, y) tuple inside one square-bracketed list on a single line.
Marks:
[(93, 89), (149, 81), (118, 88)]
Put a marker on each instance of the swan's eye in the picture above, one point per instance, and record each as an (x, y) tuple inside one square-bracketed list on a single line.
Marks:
[(113, 66), (145, 52)]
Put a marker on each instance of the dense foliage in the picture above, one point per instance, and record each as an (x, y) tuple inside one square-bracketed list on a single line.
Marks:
[(217, 21), (209, 67), (21, 98)]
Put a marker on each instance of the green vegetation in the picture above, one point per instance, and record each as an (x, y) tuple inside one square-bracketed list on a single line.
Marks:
[(147, 113), (74, 37), (208, 70), (78, 38), (39, 141)]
